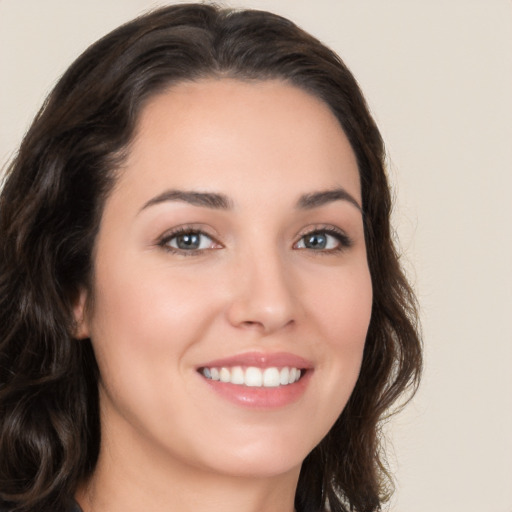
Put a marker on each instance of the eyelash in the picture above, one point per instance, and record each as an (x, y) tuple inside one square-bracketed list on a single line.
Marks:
[(345, 242), (185, 230)]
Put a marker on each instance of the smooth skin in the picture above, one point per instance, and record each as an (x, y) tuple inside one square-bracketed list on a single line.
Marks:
[(179, 282)]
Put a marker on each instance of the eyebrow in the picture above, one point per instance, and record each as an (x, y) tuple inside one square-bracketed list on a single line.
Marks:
[(317, 199), (222, 202), (205, 199)]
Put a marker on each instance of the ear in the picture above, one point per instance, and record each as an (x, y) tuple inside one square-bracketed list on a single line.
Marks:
[(81, 327)]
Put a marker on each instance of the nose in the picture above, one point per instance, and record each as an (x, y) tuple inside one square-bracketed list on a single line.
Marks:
[(264, 294)]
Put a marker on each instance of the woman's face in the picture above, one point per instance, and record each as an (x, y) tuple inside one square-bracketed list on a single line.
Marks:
[(230, 260)]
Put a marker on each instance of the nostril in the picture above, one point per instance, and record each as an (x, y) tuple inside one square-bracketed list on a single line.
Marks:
[(251, 323)]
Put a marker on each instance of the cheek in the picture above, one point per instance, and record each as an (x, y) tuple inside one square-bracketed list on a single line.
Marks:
[(344, 309), (343, 317), (146, 318), (147, 314), (142, 329)]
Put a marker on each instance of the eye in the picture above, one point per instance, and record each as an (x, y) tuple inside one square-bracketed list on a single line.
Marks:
[(324, 240), (186, 240)]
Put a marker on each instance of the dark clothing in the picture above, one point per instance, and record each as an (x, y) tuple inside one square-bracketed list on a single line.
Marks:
[(75, 507)]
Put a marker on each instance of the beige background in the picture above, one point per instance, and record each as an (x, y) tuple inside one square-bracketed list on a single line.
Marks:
[(438, 77)]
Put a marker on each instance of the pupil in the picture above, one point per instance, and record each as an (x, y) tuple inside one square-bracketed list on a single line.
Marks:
[(316, 241), (188, 241)]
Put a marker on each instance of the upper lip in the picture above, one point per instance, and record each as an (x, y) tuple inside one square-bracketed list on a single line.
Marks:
[(260, 360)]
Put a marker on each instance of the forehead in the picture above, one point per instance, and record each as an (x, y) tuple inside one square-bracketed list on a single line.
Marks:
[(217, 132)]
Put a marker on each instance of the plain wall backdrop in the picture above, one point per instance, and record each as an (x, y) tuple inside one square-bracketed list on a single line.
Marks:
[(438, 78)]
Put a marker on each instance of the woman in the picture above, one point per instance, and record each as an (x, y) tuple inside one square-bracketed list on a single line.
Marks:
[(201, 304)]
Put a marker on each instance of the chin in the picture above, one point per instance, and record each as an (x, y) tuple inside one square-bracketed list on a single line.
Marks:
[(261, 467), (261, 459)]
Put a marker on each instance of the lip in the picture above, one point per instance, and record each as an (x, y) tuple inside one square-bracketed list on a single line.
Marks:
[(261, 360), (260, 397)]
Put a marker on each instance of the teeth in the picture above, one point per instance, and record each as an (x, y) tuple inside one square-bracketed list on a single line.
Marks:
[(254, 377), (237, 375), (225, 375), (271, 378)]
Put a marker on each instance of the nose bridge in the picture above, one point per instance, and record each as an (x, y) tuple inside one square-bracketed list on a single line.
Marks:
[(263, 295)]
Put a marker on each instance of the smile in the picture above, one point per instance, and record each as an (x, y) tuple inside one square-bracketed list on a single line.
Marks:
[(257, 379), (252, 376)]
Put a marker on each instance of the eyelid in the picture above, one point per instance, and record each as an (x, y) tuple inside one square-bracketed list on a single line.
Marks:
[(345, 240), (200, 229)]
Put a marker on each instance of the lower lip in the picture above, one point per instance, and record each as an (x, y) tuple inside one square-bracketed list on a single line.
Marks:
[(261, 397)]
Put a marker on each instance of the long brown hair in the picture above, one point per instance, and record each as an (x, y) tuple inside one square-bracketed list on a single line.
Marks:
[(50, 209)]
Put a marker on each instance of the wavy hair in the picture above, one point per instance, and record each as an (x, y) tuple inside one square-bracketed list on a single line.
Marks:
[(50, 209)]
